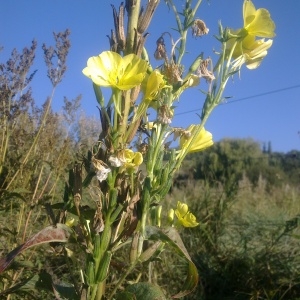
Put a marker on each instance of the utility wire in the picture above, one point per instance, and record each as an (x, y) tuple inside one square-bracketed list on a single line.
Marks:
[(249, 97)]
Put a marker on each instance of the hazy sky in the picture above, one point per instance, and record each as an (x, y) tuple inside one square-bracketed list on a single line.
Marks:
[(265, 103)]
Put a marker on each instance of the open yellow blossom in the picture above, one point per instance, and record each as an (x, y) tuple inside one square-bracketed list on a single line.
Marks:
[(132, 159), (202, 141), (257, 22), (110, 69), (185, 218), (251, 52)]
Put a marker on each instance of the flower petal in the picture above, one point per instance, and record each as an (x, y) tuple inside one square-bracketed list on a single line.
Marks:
[(155, 83), (181, 209), (110, 69), (199, 143), (257, 22)]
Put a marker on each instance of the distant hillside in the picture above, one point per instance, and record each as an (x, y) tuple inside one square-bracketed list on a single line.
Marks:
[(227, 161)]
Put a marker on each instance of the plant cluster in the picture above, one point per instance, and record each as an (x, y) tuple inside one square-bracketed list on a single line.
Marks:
[(126, 172)]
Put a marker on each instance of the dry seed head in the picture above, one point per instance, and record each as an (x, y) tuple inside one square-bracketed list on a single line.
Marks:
[(178, 132), (165, 114), (172, 72), (143, 148)]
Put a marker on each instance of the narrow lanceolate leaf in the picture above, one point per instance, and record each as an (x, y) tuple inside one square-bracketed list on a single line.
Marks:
[(59, 233), (173, 239)]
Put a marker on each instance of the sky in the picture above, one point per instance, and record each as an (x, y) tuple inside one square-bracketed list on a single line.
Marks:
[(264, 104)]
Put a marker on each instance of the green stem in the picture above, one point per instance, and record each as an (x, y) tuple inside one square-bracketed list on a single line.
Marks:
[(184, 29), (179, 25), (101, 290), (182, 46), (157, 148), (224, 75)]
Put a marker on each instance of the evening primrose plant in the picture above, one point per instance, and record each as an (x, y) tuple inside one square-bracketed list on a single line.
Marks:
[(131, 167)]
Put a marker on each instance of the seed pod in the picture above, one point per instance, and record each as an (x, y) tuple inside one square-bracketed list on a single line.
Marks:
[(90, 276), (105, 238), (134, 247), (104, 266), (147, 254), (97, 246), (195, 65), (113, 198)]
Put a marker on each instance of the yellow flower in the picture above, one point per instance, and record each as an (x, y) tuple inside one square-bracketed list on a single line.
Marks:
[(155, 82), (202, 141), (70, 222), (110, 69), (257, 22), (181, 209), (170, 216), (251, 52), (152, 85), (248, 50), (132, 159), (185, 218)]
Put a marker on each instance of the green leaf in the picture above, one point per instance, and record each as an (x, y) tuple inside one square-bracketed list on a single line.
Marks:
[(43, 281), (125, 296), (25, 285), (65, 291), (142, 290), (173, 239)]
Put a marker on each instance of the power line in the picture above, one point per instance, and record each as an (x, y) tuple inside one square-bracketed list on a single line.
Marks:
[(248, 97)]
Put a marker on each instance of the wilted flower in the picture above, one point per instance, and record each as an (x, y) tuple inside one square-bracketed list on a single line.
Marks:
[(202, 141), (116, 161), (199, 28), (160, 52), (110, 69), (185, 218), (204, 72), (101, 169)]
